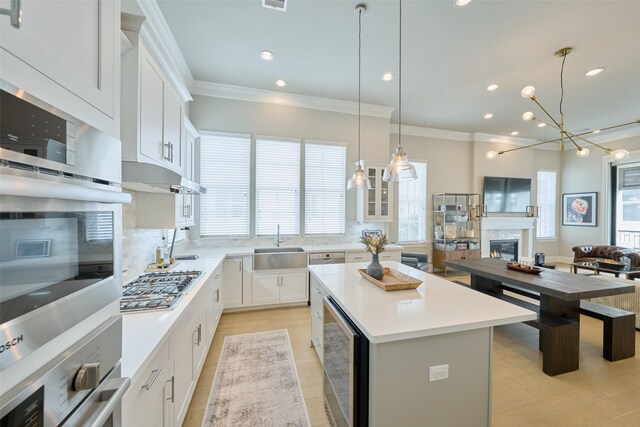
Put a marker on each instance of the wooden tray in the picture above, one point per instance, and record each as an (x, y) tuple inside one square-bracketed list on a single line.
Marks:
[(529, 270), (392, 280)]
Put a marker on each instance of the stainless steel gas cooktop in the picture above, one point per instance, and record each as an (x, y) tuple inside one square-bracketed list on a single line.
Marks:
[(156, 291)]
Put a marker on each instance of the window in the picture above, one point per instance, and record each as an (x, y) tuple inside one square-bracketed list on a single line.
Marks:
[(628, 206), (412, 207), (324, 188), (277, 187), (547, 205), (225, 171)]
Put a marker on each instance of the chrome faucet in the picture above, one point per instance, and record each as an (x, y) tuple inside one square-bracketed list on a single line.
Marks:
[(278, 241)]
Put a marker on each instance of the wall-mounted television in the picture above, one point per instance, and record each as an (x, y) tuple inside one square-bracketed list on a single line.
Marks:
[(507, 195)]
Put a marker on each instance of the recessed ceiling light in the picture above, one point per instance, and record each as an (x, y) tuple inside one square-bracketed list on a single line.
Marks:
[(492, 86), (266, 55), (281, 83), (541, 125), (387, 77), (461, 3), (596, 131), (514, 133), (488, 116), (594, 72)]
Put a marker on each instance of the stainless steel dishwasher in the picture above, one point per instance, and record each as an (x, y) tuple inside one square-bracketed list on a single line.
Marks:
[(327, 258)]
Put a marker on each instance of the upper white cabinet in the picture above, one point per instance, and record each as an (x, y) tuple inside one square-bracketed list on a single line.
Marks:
[(159, 210), (189, 149), (67, 53), (376, 204), (152, 111)]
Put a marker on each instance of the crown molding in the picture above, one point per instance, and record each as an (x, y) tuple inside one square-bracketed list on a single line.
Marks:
[(163, 46), (630, 132), (432, 133), (242, 93), (509, 140)]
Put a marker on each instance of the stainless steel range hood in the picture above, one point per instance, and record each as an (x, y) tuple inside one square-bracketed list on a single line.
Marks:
[(150, 178)]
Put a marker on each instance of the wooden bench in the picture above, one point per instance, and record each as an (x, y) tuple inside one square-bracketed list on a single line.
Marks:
[(555, 331), (619, 335)]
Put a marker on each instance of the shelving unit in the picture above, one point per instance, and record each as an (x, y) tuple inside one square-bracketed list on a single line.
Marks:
[(456, 228)]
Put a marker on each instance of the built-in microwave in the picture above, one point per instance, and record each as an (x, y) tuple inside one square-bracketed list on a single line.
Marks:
[(37, 136)]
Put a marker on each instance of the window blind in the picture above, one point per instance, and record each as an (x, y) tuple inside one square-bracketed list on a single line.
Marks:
[(277, 187), (546, 204), (324, 184), (225, 170), (99, 226), (412, 207), (629, 178)]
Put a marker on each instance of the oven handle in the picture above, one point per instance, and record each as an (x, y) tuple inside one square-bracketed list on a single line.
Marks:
[(115, 398)]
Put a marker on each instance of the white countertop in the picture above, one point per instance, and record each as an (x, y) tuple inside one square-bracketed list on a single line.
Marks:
[(436, 307), (143, 332)]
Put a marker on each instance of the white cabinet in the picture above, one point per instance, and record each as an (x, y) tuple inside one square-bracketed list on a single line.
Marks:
[(159, 210), (67, 54), (317, 316), (364, 256), (187, 353), (232, 282), (152, 111), (276, 288), (189, 148), (376, 204), (147, 402), (360, 256), (213, 302)]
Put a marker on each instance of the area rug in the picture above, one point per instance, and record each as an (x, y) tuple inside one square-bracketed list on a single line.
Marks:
[(256, 384)]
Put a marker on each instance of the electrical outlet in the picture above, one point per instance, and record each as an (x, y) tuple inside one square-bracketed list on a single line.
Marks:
[(437, 373)]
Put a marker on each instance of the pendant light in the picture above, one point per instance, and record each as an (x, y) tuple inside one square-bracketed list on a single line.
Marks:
[(359, 180), (399, 169)]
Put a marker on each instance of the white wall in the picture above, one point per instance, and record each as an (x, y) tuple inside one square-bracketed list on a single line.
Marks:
[(587, 175), (224, 115)]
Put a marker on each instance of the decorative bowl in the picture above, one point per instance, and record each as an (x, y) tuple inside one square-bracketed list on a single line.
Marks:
[(610, 264)]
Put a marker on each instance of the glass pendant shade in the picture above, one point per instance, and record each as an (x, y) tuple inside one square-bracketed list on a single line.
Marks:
[(619, 154), (491, 155), (359, 180), (582, 152), (399, 169)]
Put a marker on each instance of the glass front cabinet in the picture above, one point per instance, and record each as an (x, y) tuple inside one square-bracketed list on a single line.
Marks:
[(376, 204)]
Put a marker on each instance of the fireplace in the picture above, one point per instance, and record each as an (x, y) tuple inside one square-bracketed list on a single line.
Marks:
[(506, 249)]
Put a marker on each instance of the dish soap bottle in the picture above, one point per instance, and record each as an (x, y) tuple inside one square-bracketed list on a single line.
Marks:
[(158, 257)]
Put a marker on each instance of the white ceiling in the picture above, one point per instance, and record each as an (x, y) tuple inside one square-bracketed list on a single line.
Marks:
[(449, 56)]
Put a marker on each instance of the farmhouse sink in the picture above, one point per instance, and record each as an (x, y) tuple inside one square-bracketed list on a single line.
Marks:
[(277, 258)]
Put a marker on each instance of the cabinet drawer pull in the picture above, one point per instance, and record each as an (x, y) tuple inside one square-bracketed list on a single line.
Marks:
[(15, 13), (316, 290), (217, 276), (317, 342), (317, 315), (154, 376), (173, 389), (358, 257)]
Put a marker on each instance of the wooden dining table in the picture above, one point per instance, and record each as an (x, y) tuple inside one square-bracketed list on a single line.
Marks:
[(560, 294)]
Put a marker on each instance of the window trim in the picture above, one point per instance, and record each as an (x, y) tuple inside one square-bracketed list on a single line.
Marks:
[(558, 203), (426, 206)]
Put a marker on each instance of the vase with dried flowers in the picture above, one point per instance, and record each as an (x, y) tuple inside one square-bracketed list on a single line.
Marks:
[(375, 243)]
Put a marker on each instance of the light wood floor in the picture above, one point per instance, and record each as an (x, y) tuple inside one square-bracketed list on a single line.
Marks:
[(600, 393)]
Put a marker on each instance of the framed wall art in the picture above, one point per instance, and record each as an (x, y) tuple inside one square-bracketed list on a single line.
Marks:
[(580, 209)]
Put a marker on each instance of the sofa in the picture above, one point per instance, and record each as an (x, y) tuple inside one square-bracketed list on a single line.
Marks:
[(416, 260), (588, 253)]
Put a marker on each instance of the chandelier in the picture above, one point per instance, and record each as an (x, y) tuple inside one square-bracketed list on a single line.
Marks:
[(578, 140)]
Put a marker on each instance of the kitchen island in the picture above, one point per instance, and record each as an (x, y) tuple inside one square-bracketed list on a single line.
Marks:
[(409, 332)]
